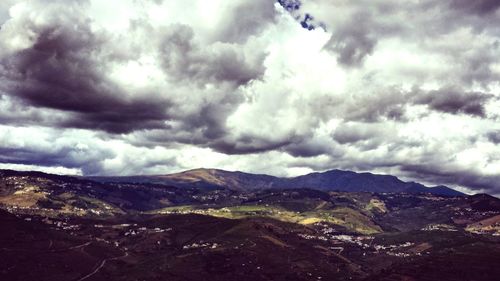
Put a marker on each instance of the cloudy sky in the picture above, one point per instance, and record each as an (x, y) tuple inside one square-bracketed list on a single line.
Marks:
[(119, 87)]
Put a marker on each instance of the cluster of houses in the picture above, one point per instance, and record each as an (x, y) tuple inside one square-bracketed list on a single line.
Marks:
[(187, 211), (393, 247), (201, 245), (145, 230), (470, 213), (439, 227), (312, 237), (66, 226), (14, 208), (364, 242), (493, 230)]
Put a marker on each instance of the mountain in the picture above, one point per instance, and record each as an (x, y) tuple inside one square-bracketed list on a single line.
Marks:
[(484, 202), (364, 182), (221, 178), (204, 179), (334, 180)]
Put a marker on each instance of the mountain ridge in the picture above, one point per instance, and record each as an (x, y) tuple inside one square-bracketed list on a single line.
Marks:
[(331, 180)]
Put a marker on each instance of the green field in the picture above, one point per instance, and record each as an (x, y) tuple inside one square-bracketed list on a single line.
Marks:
[(348, 218)]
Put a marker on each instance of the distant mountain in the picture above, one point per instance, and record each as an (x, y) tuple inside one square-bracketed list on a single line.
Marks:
[(221, 178), (334, 180), (365, 182), (484, 202), (203, 178)]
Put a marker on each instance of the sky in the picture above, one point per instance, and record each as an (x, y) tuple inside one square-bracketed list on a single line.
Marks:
[(126, 87)]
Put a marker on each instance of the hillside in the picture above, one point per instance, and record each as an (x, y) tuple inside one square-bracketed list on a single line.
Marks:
[(64, 227)]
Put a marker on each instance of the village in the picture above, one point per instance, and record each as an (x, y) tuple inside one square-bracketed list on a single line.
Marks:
[(364, 242)]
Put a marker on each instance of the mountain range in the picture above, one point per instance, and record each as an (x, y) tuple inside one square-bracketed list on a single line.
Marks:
[(333, 180)]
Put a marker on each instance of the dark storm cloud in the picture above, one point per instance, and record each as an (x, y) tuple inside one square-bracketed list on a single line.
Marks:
[(382, 104), (184, 59), (67, 69), (210, 119), (392, 103), (309, 148), (66, 156), (92, 156), (82, 151), (480, 7), (354, 40), (352, 133), (494, 137), (455, 101), (21, 112), (62, 71), (362, 136), (246, 144), (462, 177)]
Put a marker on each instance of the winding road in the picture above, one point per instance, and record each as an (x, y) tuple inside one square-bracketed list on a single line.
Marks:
[(101, 265)]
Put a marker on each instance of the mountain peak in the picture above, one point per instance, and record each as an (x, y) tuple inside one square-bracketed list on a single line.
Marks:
[(331, 180)]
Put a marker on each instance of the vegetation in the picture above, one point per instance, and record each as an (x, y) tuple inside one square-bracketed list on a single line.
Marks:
[(64, 228)]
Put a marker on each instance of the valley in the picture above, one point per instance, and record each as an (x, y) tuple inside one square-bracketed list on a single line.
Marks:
[(73, 228)]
